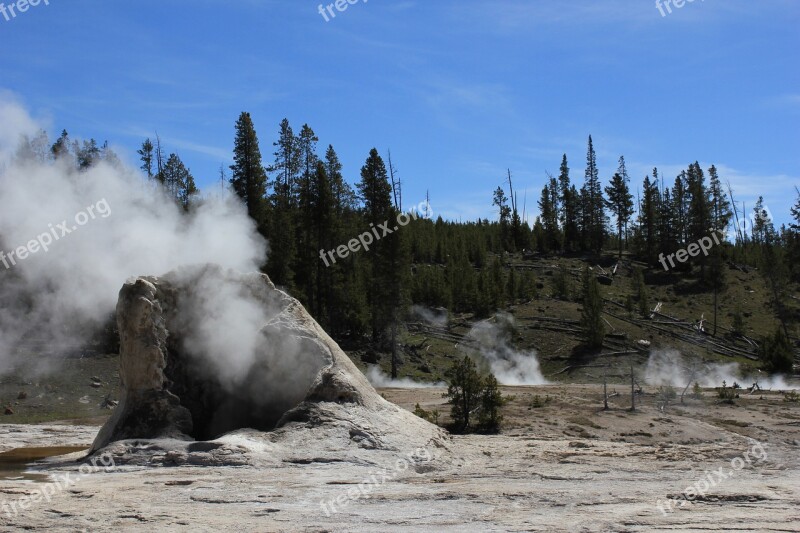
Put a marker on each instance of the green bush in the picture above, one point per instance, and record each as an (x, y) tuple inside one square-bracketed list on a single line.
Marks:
[(470, 394), (727, 394), (697, 391), (430, 416), (538, 402)]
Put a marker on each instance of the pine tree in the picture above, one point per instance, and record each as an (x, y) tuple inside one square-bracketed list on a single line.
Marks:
[(763, 230), (343, 193), (464, 392), (666, 217), (159, 155), (283, 246), (699, 209), (501, 202), (386, 273), (178, 181), (548, 208), (307, 263), (61, 147), (793, 240), (569, 208), (492, 401), (86, 154), (620, 202), (594, 202), (287, 164), (720, 205), (648, 220), (345, 290), (680, 210), (323, 209), (592, 313), (248, 177)]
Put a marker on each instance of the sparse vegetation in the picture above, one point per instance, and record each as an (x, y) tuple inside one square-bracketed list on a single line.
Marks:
[(665, 396), (431, 416), (727, 394), (538, 402), (697, 391), (561, 284), (791, 397)]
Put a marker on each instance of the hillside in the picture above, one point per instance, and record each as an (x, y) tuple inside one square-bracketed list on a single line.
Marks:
[(550, 325)]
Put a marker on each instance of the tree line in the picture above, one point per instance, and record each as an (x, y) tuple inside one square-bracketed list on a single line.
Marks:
[(302, 204)]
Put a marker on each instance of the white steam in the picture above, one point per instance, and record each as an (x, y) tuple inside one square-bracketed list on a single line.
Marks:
[(378, 378), (218, 315), (509, 365), (668, 367), (55, 298), (433, 317)]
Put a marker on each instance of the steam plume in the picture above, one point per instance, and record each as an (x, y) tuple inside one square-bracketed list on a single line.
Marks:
[(668, 367), (510, 366), (378, 378), (58, 297)]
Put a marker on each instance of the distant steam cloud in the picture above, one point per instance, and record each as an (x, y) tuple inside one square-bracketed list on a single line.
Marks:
[(433, 317), (510, 366), (378, 378), (669, 367)]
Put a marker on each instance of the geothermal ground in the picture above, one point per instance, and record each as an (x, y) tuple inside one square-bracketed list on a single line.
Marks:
[(561, 464)]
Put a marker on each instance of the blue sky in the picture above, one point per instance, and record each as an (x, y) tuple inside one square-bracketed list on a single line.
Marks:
[(459, 90)]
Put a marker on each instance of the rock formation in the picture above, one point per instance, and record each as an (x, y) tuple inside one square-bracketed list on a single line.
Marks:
[(206, 353)]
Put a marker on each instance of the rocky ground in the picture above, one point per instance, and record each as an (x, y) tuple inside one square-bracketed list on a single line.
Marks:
[(562, 464)]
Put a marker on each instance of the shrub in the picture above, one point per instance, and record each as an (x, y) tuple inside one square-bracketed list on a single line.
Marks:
[(538, 402), (697, 391), (561, 284), (667, 394), (430, 416), (727, 394)]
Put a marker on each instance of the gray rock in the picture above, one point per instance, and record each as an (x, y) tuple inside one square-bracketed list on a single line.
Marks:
[(297, 385)]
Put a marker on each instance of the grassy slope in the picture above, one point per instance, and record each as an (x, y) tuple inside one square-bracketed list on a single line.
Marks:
[(557, 350)]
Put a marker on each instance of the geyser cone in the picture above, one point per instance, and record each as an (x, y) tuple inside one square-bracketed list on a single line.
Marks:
[(204, 352)]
